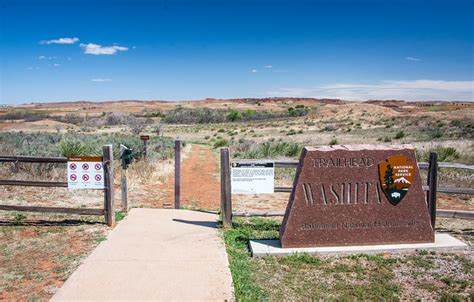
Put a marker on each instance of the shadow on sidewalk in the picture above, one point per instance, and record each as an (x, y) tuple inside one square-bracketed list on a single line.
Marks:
[(209, 224)]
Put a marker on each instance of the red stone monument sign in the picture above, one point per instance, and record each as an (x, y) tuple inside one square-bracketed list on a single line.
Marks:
[(356, 195)]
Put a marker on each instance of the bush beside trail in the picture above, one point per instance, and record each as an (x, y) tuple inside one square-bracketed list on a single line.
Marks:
[(79, 144)]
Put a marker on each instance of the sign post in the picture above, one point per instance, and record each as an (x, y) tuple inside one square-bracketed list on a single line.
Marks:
[(126, 158), (145, 139)]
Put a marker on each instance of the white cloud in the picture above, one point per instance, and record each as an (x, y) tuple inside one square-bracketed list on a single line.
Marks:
[(101, 80), (416, 90), (268, 66), (412, 59), (254, 70), (46, 58), (56, 64), (95, 49), (29, 68), (61, 41)]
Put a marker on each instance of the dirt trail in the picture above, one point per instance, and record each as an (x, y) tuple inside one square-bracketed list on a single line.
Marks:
[(200, 186)]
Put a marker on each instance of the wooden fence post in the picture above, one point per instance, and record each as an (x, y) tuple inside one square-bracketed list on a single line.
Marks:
[(433, 186), (226, 196), (109, 185), (177, 173), (124, 189)]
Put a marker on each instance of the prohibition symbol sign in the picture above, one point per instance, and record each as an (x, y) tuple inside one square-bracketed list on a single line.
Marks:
[(98, 166), (73, 177), (73, 166), (85, 166), (85, 177), (98, 177)]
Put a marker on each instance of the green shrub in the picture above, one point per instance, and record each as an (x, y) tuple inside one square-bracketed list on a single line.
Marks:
[(234, 115), (399, 135), (20, 216), (447, 153), (269, 149), (333, 141), (71, 148), (220, 142)]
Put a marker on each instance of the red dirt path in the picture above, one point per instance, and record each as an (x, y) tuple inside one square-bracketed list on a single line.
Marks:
[(200, 187)]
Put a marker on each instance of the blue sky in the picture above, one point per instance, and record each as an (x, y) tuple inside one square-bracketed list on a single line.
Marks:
[(185, 50)]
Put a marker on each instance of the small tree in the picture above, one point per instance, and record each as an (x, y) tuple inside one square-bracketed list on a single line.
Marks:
[(137, 125)]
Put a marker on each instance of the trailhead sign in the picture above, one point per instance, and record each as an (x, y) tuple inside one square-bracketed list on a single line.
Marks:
[(356, 195), (85, 173), (253, 177)]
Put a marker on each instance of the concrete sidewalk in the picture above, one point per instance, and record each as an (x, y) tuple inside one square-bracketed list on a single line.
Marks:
[(155, 254)]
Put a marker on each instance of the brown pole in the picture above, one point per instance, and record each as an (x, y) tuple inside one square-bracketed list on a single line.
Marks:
[(226, 196), (109, 185), (433, 186), (177, 173)]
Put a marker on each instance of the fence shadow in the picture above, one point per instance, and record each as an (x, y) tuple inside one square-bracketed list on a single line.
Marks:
[(65, 222), (209, 224)]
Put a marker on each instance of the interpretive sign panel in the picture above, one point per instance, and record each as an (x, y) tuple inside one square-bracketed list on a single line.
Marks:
[(252, 177)]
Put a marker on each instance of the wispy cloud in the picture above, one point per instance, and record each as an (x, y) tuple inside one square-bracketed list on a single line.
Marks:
[(268, 66), (95, 49), (56, 65), (421, 90), (254, 70), (46, 58), (101, 80), (61, 41), (412, 59)]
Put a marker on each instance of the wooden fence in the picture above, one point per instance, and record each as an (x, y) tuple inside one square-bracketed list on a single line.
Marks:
[(431, 188), (108, 210)]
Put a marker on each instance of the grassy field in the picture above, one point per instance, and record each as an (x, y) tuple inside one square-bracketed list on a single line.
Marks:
[(251, 128), (422, 275)]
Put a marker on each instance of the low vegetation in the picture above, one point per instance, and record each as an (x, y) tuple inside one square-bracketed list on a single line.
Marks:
[(424, 275), (72, 143), (266, 150), (212, 116)]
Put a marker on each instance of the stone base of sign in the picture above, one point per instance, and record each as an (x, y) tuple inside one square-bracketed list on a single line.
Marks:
[(443, 243)]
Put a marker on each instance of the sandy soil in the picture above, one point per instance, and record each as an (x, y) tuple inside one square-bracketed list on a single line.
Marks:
[(200, 183)]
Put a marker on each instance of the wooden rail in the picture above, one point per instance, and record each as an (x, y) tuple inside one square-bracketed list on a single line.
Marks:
[(29, 183), (80, 211), (432, 188), (108, 209), (33, 159)]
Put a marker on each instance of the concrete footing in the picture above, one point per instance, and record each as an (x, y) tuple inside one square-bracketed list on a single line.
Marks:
[(443, 243)]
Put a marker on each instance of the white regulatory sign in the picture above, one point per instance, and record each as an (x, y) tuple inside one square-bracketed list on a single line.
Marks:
[(85, 173), (253, 177)]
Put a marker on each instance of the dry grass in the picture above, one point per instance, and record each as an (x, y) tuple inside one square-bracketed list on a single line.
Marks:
[(39, 252)]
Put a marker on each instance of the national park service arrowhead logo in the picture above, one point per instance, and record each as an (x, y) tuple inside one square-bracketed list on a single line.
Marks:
[(396, 177)]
